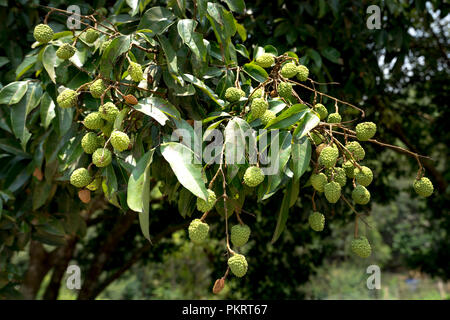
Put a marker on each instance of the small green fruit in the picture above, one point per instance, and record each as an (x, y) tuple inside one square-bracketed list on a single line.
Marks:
[(253, 176), (267, 117), (265, 60), (66, 51), (423, 187), (364, 176), (106, 44), (356, 150), (317, 138), (108, 111), (334, 118), (97, 88), (328, 156), (258, 107), (93, 121), (90, 142), (91, 35), (318, 181), (43, 33), (302, 73), (332, 191), (361, 195), (102, 157), (349, 169), (289, 70), (365, 130), (238, 265), (67, 98), (258, 93), (361, 247), (135, 72), (205, 206), (80, 178), (316, 221), (240, 234), (321, 110), (285, 90), (338, 175), (234, 94), (120, 140), (198, 231)]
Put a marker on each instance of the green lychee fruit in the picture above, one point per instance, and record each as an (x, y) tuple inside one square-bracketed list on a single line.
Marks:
[(364, 176), (135, 71), (289, 70), (265, 60), (361, 247), (285, 90), (356, 150), (423, 187), (258, 107), (233, 94), (365, 130), (95, 184), (316, 221), (317, 138), (332, 191), (198, 231), (120, 140), (361, 195), (108, 111), (349, 169), (267, 117), (66, 51), (101, 157), (328, 156), (93, 121), (67, 98), (238, 265), (97, 88), (321, 110), (302, 73), (334, 118), (80, 178), (205, 206), (258, 93), (338, 175), (240, 234), (43, 33), (91, 35), (90, 142), (253, 176), (318, 181)]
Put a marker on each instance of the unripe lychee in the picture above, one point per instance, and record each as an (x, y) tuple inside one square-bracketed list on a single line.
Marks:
[(338, 175), (319, 148), (93, 121), (317, 138), (318, 181), (361, 247), (238, 265), (289, 70), (43, 33), (198, 231), (356, 150), (316, 221), (234, 94), (67, 98), (365, 130), (267, 117), (205, 206), (95, 184), (423, 187), (135, 71), (332, 191), (66, 51), (302, 73), (120, 140), (97, 88), (361, 195), (90, 142), (102, 157), (321, 110), (265, 60), (106, 44), (328, 156), (285, 90), (349, 169), (91, 35), (240, 234), (258, 107), (364, 176), (80, 178), (253, 176), (334, 118), (108, 111), (258, 93)]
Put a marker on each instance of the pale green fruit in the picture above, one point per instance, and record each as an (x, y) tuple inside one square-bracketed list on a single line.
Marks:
[(318, 181), (365, 130), (267, 117), (361, 247), (321, 110), (198, 231), (332, 191), (93, 121), (334, 118), (265, 60), (258, 93), (240, 234), (91, 35), (258, 107), (80, 178), (43, 33), (108, 111), (102, 157), (67, 98), (349, 169), (423, 187), (316, 221), (328, 156), (106, 44), (285, 90), (302, 73), (338, 175), (120, 140), (364, 176), (361, 195), (205, 206), (90, 142), (253, 176), (356, 150), (66, 51), (135, 72), (289, 70), (234, 94), (238, 265), (97, 88)]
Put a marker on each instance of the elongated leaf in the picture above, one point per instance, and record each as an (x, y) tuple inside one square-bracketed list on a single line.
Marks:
[(13, 92), (170, 54), (47, 110), (157, 19), (118, 46), (26, 65), (236, 132), (283, 213), (49, 61), (157, 108), (306, 124), (256, 72), (191, 38), (202, 86), (288, 117), (236, 5), (186, 203), (301, 155)]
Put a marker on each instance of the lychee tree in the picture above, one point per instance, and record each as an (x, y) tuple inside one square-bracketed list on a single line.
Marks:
[(104, 110)]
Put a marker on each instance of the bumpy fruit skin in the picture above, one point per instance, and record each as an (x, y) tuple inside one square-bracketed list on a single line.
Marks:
[(285, 90), (423, 187), (253, 176), (258, 107), (361, 195), (328, 156), (120, 140), (93, 121), (198, 231), (43, 33), (106, 44), (66, 51), (321, 110), (302, 73), (90, 142), (289, 70), (108, 111), (234, 94), (67, 98), (349, 169), (265, 60), (258, 93), (357, 151), (338, 175), (364, 176), (334, 118), (107, 129), (365, 130), (240, 234), (135, 71), (361, 247), (317, 138), (332, 191), (267, 117), (91, 35), (316, 221), (101, 157), (205, 206), (318, 181), (80, 178), (95, 184), (97, 88), (238, 265)]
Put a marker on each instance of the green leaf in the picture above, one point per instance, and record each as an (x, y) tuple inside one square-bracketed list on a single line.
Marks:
[(256, 72), (202, 86), (170, 53), (49, 61), (288, 117), (192, 39), (188, 173), (186, 203), (284, 212), (313, 54), (3, 61), (301, 155), (157, 19), (47, 110), (332, 54), (118, 122), (236, 5), (306, 124), (242, 50), (41, 192), (241, 31), (271, 49), (118, 46), (13, 92), (26, 64), (157, 108), (134, 5), (139, 183)]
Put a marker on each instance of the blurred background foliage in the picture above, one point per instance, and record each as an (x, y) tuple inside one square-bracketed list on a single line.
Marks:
[(398, 74)]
